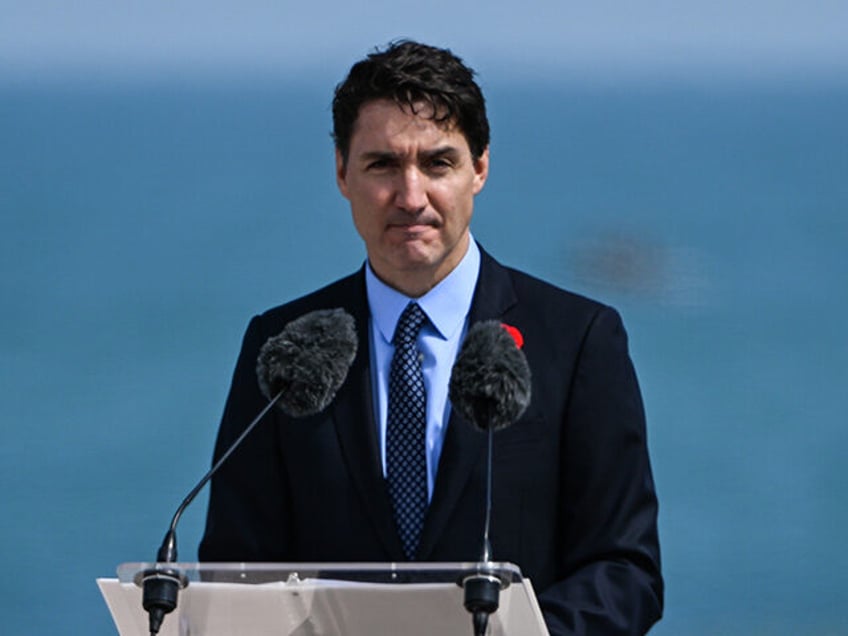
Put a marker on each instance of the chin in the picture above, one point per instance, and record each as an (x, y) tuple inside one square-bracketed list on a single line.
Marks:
[(416, 251)]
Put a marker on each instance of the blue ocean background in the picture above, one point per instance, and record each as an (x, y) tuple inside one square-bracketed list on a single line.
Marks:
[(143, 222)]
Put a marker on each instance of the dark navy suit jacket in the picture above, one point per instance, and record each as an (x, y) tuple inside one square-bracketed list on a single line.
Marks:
[(573, 505)]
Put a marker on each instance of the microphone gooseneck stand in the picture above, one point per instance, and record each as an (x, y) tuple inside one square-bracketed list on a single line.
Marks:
[(309, 361), (482, 589), (161, 584), (490, 386)]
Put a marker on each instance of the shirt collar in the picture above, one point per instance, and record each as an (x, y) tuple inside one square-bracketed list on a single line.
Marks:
[(446, 305)]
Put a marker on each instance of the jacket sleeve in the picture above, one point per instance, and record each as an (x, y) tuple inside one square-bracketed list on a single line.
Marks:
[(611, 562), (249, 492)]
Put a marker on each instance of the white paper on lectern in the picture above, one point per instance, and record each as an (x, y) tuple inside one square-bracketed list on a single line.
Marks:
[(322, 607)]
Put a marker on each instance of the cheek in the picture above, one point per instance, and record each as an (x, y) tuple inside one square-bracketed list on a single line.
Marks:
[(361, 218), (454, 195), (370, 196), (367, 219), (455, 207)]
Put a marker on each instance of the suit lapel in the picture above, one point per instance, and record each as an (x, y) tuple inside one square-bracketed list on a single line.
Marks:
[(463, 445), (356, 430)]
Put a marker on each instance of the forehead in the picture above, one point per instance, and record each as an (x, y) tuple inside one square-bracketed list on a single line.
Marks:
[(383, 124)]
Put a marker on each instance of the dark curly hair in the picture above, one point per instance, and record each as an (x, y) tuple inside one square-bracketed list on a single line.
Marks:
[(410, 73)]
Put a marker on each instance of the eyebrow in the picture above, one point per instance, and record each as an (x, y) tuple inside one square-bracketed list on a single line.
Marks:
[(441, 151)]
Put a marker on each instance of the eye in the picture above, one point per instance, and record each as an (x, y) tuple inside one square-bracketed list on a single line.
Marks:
[(378, 164), (439, 164)]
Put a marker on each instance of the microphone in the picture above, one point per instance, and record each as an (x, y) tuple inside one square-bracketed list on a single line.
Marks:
[(490, 387), (490, 380), (308, 361), (300, 370)]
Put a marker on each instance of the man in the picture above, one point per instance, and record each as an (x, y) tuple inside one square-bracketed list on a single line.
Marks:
[(574, 503)]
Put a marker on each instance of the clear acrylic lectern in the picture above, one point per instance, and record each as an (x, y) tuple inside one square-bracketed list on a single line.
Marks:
[(311, 599)]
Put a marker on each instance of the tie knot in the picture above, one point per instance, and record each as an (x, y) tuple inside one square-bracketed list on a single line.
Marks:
[(409, 324)]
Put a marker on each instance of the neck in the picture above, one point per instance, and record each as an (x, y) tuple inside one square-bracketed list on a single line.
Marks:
[(409, 284)]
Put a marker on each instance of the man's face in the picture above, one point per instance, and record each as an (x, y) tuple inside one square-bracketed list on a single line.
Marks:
[(411, 184)]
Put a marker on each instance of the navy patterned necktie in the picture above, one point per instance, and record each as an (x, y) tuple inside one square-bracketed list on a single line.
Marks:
[(406, 459)]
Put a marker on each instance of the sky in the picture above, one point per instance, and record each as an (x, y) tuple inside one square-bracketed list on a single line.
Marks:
[(44, 37)]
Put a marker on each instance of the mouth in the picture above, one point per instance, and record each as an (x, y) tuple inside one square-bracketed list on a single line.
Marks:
[(411, 233), (412, 230)]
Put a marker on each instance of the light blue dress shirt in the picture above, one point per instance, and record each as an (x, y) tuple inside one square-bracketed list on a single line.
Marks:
[(447, 306)]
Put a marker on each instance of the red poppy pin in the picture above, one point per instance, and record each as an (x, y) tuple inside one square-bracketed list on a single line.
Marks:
[(515, 333)]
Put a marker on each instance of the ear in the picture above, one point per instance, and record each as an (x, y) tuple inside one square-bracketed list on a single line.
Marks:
[(341, 174), (481, 170)]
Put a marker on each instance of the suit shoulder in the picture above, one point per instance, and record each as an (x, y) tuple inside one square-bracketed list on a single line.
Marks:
[(346, 293), (553, 297)]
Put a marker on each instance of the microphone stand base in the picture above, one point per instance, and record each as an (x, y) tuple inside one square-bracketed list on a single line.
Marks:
[(160, 588), (482, 593)]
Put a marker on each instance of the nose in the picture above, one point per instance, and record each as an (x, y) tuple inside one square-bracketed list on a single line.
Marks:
[(411, 191)]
